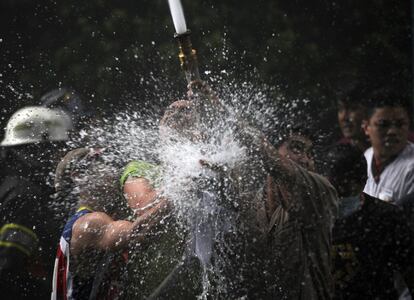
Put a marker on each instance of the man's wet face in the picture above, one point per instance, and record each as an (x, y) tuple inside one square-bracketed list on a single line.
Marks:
[(299, 149), (388, 130), (350, 116)]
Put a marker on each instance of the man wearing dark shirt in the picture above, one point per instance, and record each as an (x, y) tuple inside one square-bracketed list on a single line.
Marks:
[(371, 238)]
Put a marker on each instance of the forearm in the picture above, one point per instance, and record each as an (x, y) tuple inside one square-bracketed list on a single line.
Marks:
[(149, 220), (116, 236)]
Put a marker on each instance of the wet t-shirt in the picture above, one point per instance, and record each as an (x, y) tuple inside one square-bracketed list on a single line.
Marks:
[(368, 246)]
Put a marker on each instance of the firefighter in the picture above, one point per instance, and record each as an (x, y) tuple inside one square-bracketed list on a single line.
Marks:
[(35, 139)]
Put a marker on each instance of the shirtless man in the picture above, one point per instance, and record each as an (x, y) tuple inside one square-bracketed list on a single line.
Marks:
[(92, 246)]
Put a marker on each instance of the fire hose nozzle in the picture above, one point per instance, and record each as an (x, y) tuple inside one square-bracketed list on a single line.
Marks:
[(187, 56)]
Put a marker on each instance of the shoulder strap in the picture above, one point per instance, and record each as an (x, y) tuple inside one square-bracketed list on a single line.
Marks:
[(67, 231)]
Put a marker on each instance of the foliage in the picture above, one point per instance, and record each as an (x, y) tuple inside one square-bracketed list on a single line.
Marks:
[(116, 51)]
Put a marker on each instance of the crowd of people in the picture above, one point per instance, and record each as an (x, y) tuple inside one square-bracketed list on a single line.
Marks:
[(341, 230)]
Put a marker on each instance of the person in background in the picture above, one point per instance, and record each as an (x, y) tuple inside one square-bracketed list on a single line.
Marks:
[(371, 238), (351, 113), (70, 101), (35, 139), (92, 252), (285, 212), (299, 223), (391, 157)]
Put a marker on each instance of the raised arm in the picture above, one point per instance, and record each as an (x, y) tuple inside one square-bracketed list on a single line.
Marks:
[(279, 168)]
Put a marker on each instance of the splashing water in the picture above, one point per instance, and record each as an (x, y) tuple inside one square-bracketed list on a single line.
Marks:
[(181, 159), (198, 193)]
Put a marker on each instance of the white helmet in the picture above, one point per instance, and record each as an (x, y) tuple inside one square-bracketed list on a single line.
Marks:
[(35, 124)]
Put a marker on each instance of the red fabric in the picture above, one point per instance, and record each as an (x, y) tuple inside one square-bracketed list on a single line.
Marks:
[(61, 276), (344, 141), (411, 136)]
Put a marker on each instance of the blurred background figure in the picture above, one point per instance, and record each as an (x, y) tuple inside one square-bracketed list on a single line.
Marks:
[(371, 238), (35, 139), (351, 112), (68, 100)]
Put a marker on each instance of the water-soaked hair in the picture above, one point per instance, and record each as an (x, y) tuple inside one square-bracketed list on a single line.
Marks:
[(85, 171), (345, 164)]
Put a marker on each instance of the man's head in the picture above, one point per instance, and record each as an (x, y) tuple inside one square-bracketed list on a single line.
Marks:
[(346, 169), (296, 144), (387, 126), (350, 117), (138, 182), (85, 178)]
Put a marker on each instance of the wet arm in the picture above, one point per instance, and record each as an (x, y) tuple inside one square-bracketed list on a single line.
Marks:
[(99, 231)]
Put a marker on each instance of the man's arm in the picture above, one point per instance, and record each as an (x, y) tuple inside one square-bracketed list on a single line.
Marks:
[(280, 168), (99, 231)]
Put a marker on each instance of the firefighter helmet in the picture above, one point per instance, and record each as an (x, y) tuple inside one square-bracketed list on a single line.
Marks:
[(35, 124)]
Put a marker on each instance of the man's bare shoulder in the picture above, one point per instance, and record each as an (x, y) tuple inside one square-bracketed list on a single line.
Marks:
[(87, 231), (91, 222)]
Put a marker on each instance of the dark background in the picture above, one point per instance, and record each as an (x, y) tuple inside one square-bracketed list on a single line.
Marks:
[(115, 52)]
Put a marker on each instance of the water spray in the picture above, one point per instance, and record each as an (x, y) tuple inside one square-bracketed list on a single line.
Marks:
[(187, 55)]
